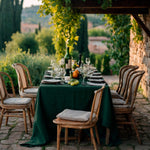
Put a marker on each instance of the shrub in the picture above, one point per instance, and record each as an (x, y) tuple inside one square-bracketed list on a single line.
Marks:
[(98, 32), (36, 64), (92, 58), (26, 42), (105, 64), (44, 38), (98, 62), (101, 62)]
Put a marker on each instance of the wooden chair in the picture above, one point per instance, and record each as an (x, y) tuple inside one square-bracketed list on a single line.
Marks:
[(124, 112), (12, 106), (123, 81), (26, 89), (80, 119)]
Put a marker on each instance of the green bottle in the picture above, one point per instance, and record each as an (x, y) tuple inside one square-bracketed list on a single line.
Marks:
[(67, 62)]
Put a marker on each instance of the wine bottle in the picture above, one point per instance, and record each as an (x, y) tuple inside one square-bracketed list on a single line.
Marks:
[(67, 62)]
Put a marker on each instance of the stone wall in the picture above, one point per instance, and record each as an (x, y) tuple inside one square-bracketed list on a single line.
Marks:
[(140, 55)]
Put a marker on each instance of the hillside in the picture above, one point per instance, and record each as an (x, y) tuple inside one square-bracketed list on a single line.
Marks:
[(29, 15)]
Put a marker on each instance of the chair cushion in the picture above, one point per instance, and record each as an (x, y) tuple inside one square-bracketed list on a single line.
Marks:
[(75, 115), (114, 94), (31, 90), (17, 101), (116, 101)]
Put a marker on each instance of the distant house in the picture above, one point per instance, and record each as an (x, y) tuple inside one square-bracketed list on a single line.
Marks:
[(96, 45), (25, 27)]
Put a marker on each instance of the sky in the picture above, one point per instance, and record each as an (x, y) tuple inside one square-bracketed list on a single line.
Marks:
[(28, 3)]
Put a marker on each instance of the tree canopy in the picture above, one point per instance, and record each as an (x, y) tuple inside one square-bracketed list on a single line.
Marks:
[(10, 19)]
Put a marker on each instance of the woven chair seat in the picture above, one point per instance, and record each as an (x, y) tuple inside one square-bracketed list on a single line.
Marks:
[(122, 106), (116, 101), (31, 90), (114, 94), (17, 101), (75, 115)]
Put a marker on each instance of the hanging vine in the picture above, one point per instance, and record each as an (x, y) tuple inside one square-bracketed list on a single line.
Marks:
[(66, 22), (136, 31)]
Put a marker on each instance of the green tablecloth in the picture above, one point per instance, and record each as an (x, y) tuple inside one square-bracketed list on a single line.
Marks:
[(52, 99)]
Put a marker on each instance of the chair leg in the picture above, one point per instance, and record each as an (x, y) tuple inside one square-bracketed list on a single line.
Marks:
[(107, 135), (25, 121), (93, 139), (66, 135), (6, 120), (28, 111), (97, 135), (33, 106), (31, 110), (58, 136), (79, 135), (136, 130), (1, 118)]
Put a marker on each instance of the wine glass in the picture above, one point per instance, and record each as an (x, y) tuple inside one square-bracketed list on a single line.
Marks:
[(87, 60), (84, 74)]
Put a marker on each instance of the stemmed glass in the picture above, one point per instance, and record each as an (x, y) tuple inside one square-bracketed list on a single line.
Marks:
[(87, 60), (84, 74)]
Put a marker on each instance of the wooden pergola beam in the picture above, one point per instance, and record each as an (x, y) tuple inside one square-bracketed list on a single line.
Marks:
[(113, 11), (140, 22), (115, 4)]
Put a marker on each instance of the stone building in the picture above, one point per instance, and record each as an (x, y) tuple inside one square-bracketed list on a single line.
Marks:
[(140, 55), (96, 44)]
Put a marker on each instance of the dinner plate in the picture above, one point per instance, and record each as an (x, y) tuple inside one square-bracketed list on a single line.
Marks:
[(96, 74), (48, 77), (95, 84), (96, 80), (50, 81), (94, 77)]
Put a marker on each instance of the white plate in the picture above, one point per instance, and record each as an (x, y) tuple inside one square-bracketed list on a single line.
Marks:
[(48, 76), (95, 84), (96, 74), (95, 77), (96, 80), (50, 81)]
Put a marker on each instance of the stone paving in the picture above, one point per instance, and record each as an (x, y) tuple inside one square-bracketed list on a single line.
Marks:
[(12, 135)]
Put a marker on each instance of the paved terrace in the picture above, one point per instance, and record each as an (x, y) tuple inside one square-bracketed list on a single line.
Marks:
[(13, 134)]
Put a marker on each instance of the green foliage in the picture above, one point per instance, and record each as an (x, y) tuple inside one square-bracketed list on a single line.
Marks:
[(136, 31), (118, 45), (75, 55), (82, 43), (105, 69), (101, 62), (10, 19), (95, 19), (26, 42), (44, 38), (29, 15), (98, 62), (98, 32), (92, 58), (66, 22), (36, 64)]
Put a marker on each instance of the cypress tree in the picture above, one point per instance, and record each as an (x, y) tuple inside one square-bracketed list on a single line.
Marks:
[(82, 44), (10, 19)]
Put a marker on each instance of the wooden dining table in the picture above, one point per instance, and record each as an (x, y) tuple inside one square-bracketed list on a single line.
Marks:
[(54, 98)]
